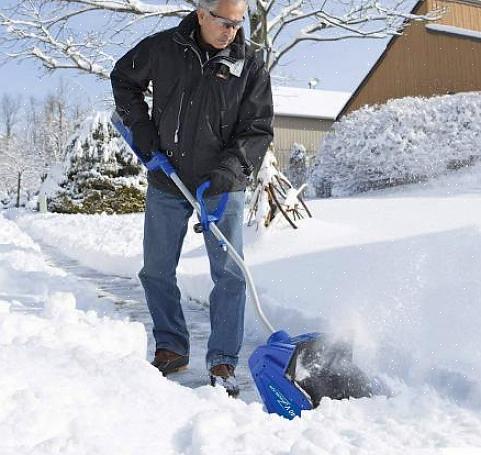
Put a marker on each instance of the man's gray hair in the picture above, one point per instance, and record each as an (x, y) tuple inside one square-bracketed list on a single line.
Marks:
[(213, 4)]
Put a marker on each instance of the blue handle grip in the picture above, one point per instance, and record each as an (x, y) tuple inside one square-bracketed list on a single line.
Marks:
[(205, 217), (158, 162)]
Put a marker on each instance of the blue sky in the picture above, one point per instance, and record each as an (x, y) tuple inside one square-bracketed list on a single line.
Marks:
[(28, 79), (338, 65)]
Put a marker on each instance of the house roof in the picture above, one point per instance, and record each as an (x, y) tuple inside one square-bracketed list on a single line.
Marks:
[(457, 31), (308, 103)]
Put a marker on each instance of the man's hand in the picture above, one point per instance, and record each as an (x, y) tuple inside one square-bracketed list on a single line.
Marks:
[(222, 180), (146, 138)]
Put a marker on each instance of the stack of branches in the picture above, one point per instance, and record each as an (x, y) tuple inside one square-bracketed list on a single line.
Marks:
[(274, 197)]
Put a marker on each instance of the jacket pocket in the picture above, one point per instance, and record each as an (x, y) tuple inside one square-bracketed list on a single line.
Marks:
[(165, 115), (162, 104)]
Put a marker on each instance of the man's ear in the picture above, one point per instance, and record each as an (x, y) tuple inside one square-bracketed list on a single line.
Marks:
[(201, 16)]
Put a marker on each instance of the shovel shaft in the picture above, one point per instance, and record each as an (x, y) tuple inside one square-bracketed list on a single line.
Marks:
[(230, 251)]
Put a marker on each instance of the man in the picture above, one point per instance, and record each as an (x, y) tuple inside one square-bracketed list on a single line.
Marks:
[(212, 116)]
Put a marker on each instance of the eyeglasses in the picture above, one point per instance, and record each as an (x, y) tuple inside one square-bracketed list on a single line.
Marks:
[(227, 23)]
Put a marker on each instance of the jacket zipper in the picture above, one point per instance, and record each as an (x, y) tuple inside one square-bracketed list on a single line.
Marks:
[(176, 135), (196, 52), (199, 58), (202, 65)]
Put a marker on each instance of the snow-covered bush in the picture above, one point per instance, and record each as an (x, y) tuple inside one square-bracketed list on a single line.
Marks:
[(101, 174), (297, 170), (403, 141)]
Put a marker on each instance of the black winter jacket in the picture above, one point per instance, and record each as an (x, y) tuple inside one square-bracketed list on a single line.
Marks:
[(211, 114)]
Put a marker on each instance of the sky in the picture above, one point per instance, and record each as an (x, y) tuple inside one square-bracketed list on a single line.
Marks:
[(338, 66), (29, 79)]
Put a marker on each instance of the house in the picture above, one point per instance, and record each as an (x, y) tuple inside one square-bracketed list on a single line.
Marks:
[(433, 58), (303, 116), (429, 58)]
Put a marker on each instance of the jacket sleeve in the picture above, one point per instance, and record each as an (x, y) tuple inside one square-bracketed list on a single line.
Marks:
[(130, 78), (253, 131)]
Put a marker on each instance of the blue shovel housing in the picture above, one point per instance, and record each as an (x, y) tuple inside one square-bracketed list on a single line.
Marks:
[(271, 366)]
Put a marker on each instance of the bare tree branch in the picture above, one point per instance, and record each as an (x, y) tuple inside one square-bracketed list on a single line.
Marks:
[(51, 32), (368, 19), (48, 31), (134, 7)]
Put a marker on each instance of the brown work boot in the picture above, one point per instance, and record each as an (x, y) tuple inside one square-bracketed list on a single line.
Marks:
[(223, 375), (169, 362)]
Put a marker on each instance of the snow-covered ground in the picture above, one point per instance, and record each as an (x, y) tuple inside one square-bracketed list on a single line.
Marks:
[(397, 270)]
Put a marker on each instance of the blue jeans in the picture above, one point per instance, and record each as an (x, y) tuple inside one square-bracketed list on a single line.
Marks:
[(166, 218)]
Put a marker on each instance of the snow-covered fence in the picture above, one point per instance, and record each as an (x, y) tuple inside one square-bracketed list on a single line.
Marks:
[(403, 141)]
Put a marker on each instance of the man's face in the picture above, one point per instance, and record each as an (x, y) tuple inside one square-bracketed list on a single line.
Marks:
[(219, 27)]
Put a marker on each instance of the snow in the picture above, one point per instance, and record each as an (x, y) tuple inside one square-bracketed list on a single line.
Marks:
[(397, 271), (454, 30), (308, 103)]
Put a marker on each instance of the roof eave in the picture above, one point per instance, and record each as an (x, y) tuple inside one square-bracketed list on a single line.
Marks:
[(306, 116)]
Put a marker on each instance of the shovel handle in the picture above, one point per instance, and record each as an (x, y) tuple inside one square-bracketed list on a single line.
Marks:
[(170, 171), (205, 217)]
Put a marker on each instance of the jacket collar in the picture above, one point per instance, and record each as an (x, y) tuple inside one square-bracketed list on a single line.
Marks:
[(233, 56)]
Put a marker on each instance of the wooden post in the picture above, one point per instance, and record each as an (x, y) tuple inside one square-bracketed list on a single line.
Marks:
[(19, 186)]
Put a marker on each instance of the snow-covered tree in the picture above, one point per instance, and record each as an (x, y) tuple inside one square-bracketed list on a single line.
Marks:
[(34, 138), (297, 170), (100, 173), (48, 31), (405, 140), (10, 113), (19, 172), (56, 124)]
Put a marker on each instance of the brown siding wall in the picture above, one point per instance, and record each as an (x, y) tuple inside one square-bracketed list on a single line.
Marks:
[(425, 63), (459, 14), (305, 131)]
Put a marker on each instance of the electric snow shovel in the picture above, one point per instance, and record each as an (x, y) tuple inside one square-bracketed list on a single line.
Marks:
[(292, 374)]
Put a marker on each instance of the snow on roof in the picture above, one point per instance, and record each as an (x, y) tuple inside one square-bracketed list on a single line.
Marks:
[(308, 103), (454, 30)]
